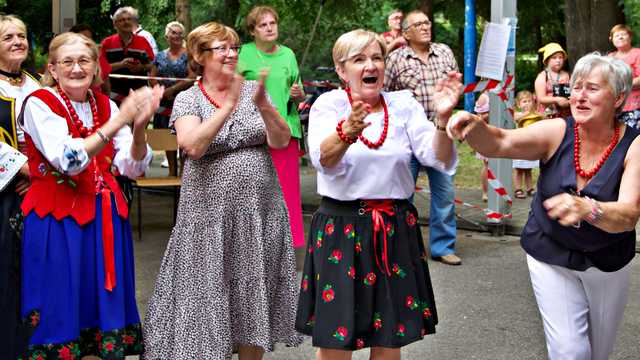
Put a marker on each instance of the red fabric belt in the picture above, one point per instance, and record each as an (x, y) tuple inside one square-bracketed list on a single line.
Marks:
[(107, 229), (377, 208)]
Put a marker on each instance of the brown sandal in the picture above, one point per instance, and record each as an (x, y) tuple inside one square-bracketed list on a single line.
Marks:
[(531, 192), (519, 194)]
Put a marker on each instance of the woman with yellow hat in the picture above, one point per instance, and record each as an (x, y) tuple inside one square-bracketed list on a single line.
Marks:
[(552, 84), (621, 36)]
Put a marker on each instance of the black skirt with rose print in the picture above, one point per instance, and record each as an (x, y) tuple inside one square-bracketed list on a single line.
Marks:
[(365, 281)]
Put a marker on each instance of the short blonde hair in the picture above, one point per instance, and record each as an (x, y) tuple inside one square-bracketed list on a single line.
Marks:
[(523, 94), (620, 27), (173, 24), (353, 43), (202, 36), (256, 13), (6, 20), (69, 38)]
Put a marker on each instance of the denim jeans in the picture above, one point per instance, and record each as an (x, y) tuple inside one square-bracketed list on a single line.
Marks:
[(442, 214)]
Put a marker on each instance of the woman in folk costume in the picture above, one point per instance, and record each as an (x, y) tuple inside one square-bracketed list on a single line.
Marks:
[(15, 85), (78, 290)]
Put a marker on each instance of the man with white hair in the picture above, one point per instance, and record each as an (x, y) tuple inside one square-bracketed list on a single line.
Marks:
[(138, 30), (126, 53)]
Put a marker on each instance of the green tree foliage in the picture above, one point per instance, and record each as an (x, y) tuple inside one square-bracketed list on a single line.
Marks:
[(539, 21)]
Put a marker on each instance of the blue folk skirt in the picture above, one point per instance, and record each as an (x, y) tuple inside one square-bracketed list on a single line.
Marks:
[(63, 294)]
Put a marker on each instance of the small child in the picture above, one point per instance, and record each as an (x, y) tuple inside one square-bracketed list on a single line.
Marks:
[(482, 109), (527, 115)]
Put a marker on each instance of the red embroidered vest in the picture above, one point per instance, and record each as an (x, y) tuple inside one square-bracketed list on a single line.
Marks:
[(60, 195)]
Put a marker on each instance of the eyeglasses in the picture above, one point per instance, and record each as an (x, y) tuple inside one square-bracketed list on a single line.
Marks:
[(177, 33), (223, 50), (84, 62), (416, 25)]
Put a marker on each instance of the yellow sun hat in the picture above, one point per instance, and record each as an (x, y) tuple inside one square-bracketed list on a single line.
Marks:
[(549, 50)]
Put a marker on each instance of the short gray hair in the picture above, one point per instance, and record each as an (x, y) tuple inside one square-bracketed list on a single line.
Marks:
[(125, 10), (615, 71), (405, 20)]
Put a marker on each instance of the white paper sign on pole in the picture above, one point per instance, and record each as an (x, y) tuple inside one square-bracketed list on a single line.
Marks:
[(493, 51)]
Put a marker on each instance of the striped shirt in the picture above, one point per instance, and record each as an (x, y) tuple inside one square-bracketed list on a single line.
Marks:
[(404, 70)]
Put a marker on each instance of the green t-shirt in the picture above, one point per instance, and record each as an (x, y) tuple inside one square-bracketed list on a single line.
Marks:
[(282, 75)]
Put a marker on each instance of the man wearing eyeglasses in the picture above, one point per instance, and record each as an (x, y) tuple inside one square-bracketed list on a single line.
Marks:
[(417, 67), (393, 38), (126, 54)]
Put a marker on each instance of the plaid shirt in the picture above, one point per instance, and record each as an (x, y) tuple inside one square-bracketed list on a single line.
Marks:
[(404, 70)]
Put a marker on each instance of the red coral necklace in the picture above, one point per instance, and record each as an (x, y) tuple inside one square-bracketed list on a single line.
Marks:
[(206, 94), (383, 136), (83, 130), (588, 174)]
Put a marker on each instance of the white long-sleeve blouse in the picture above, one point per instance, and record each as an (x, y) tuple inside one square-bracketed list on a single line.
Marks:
[(383, 173), (51, 137)]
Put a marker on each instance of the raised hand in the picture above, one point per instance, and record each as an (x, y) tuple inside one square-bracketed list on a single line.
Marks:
[(447, 93), (140, 105), (461, 124), (355, 124), (260, 96), (233, 92), (148, 107)]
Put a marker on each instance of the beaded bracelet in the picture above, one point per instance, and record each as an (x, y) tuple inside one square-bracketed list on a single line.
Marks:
[(596, 211), (344, 138)]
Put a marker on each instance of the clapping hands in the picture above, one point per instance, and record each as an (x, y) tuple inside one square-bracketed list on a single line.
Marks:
[(447, 93)]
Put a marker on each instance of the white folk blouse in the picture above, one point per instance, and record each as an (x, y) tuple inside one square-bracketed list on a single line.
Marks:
[(11, 160), (51, 137), (364, 173)]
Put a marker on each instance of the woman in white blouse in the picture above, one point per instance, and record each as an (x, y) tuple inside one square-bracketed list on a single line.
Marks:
[(365, 281), (78, 272), (15, 85)]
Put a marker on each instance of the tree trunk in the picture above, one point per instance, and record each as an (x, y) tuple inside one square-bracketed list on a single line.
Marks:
[(426, 6), (587, 25), (230, 12), (183, 14)]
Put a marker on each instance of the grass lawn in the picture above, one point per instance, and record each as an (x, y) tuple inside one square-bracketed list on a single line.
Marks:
[(469, 168)]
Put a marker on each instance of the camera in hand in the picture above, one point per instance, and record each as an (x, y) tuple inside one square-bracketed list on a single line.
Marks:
[(561, 90)]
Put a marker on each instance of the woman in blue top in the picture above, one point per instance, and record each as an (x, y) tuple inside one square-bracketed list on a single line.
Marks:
[(170, 63), (580, 236)]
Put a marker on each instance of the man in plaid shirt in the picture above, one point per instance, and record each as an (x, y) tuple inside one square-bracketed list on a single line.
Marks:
[(418, 67)]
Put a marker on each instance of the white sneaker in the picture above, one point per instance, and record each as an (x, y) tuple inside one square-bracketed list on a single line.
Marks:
[(165, 163)]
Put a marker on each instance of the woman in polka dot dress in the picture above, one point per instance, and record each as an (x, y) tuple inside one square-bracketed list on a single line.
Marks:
[(227, 280)]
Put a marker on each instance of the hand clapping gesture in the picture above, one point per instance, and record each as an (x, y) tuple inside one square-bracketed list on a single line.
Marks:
[(140, 105), (447, 93), (355, 124)]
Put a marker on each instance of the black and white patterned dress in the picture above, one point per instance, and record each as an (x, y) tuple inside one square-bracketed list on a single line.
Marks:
[(228, 274)]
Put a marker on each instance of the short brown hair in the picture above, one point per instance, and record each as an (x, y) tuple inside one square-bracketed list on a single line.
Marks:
[(202, 36), (256, 13), (620, 27), (69, 38)]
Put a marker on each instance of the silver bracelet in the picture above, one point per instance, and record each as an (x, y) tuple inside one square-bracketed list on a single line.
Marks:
[(105, 139)]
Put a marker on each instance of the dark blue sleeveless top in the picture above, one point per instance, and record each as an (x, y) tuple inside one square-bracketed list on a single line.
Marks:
[(578, 249)]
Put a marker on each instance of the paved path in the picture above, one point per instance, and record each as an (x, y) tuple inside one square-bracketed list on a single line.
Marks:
[(486, 306)]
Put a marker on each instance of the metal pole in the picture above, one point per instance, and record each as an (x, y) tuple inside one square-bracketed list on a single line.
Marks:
[(63, 15), (469, 50), (500, 116)]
